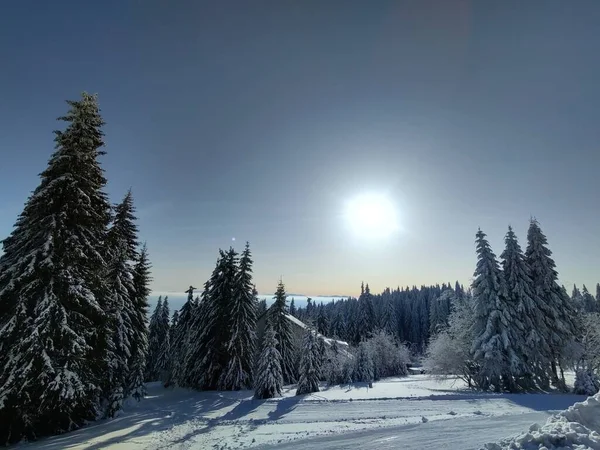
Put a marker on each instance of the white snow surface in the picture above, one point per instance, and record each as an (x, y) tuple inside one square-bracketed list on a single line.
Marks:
[(576, 428), (303, 325), (415, 412)]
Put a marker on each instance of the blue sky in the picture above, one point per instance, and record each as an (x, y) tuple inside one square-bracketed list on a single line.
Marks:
[(259, 120)]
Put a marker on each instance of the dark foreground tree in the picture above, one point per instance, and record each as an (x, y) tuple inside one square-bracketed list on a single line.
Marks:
[(268, 380), (309, 364), (52, 289), (242, 345), (283, 330)]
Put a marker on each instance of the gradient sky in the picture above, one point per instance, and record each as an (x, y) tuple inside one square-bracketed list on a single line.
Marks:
[(258, 120)]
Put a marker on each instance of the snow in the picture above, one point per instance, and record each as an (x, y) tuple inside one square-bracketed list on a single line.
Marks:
[(415, 412), (304, 326), (576, 428)]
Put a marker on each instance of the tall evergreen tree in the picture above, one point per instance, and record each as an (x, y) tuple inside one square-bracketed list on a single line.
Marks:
[(163, 360), (52, 291), (209, 355), (552, 301), (577, 298), (526, 323), (180, 338), (139, 322), (282, 327), (292, 308), (242, 345), (493, 348), (309, 364), (589, 302), (122, 252), (154, 342), (268, 378)]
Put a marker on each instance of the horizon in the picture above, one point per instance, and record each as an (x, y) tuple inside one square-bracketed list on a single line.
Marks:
[(292, 126)]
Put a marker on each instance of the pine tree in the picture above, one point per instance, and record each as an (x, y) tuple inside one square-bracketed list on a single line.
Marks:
[(577, 298), (208, 354), (154, 342), (525, 326), (122, 252), (285, 341), (309, 364), (493, 347), (242, 345), (588, 300), (163, 360), (268, 379), (52, 291), (180, 338), (292, 308), (364, 364), (139, 322), (552, 301)]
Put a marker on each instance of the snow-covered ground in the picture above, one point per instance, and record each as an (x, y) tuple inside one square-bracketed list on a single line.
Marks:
[(408, 413)]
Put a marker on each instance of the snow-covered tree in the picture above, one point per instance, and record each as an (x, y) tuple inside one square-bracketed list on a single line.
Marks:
[(268, 380), (588, 300), (309, 364), (163, 357), (586, 382), (524, 338), (283, 331), (139, 323), (363, 371), (179, 339), (242, 345), (440, 311), (577, 298), (553, 303), (52, 290), (208, 355), (122, 252), (493, 349), (389, 359), (449, 352), (155, 342)]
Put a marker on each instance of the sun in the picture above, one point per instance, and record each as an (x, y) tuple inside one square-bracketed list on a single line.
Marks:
[(372, 216)]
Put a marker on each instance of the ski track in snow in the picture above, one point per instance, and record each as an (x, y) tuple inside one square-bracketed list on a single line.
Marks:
[(415, 412)]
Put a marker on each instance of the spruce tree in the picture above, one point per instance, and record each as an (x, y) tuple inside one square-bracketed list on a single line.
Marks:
[(180, 339), (589, 302), (139, 322), (268, 380), (242, 345), (154, 342), (283, 330), (552, 301), (577, 298), (163, 359), (122, 252), (208, 353), (493, 346), (526, 325), (52, 291), (309, 364), (292, 308), (364, 371)]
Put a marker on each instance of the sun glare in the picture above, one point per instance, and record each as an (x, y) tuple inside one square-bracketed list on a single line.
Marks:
[(372, 216)]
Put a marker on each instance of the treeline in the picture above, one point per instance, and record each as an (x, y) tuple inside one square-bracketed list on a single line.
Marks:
[(73, 294), (520, 329), (410, 315), (212, 342)]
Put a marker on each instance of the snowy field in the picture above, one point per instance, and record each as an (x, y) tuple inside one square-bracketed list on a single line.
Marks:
[(415, 412)]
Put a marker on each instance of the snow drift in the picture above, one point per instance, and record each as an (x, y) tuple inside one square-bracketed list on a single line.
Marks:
[(576, 428)]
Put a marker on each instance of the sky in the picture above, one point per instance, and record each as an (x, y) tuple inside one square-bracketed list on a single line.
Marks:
[(260, 120)]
